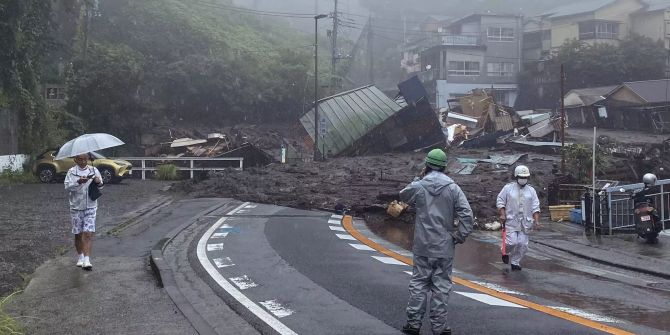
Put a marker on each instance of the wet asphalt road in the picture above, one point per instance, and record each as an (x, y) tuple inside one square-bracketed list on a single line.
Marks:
[(317, 282)]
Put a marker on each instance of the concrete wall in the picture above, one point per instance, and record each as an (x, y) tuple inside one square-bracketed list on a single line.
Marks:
[(651, 25), (9, 132), (620, 11)]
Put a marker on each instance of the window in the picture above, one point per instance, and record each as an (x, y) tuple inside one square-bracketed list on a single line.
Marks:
[(500, 69), (463, 68), (54, 93), (500, 34), (598, 30)]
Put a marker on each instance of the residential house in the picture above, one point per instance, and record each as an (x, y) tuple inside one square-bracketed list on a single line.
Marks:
[(595, 21), (479, 51)]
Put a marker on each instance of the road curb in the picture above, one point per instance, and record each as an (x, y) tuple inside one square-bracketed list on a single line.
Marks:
[(665, 275), (165, 277)]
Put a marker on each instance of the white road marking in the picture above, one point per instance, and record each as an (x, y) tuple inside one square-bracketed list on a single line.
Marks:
[(215, 246), (228, 287), (226, 226), (250, 206), (586, 315), (241, 211), (346, 237), (408, 272), (334, 222), (489, 300), (220, 235), (335, 216), (243, 282), (361, 247), (497, 288), (276, 308), (388, 260), (223, 262), (336, 228)]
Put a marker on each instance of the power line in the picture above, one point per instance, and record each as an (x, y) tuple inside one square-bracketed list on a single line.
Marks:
[(254, 12)]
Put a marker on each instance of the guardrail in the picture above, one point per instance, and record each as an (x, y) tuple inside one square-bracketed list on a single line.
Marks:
[(143, 168), (617, 206)]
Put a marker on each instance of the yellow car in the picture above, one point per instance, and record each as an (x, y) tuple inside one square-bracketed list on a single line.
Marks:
[(48, 169)]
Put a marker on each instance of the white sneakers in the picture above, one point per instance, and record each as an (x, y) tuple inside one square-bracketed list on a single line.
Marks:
[(87, 265), (80, 261)]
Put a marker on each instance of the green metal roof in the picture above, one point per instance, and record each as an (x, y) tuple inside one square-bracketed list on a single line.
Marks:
[(349, 116)]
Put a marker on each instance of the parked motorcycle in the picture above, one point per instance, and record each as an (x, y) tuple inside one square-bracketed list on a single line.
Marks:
[(647, 222)]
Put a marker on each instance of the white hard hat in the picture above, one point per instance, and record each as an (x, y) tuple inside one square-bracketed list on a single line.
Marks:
[(649, 179), (521, 171)]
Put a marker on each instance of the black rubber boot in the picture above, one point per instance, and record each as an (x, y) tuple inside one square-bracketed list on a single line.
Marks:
[(516, 268), (446, 331), (407, 329), (505, 259)]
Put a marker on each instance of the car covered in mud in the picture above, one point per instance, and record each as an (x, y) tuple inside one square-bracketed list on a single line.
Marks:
[(48, 169)]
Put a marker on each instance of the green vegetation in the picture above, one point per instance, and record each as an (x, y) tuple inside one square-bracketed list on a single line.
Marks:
[(635, 58), (579, 161), (8, 325), (13, 177), (168, 172)]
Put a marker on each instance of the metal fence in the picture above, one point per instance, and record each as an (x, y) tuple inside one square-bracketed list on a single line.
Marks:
[(191, 164), (616, 205)]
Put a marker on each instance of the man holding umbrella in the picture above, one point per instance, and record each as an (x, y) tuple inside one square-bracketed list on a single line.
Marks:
[(82, 208)]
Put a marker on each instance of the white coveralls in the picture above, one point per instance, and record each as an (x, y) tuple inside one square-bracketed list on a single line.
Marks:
[(520, 204), (438, 200)]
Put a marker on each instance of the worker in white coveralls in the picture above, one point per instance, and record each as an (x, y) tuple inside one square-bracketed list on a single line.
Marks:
[(519, 209), (438, 200)]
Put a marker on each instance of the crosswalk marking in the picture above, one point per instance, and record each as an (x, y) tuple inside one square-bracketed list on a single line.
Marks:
[(223, 262), (220, 235), (215, 246), (336, 216), (388, 260), (276, 308), (243, 282), (346, 237), (489, 300), (336, 228), (334, 222), (361, 247)]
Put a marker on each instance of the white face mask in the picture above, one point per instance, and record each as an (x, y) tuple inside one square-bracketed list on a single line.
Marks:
[(522, 181)]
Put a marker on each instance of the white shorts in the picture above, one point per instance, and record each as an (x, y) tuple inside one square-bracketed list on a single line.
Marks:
[(83, 221)]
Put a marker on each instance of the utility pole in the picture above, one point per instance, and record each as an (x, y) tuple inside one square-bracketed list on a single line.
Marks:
[(316, 84), (563, 120), (334, 48), (371, 58)]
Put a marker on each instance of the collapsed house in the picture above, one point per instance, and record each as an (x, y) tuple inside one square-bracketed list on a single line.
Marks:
[(366, 121)]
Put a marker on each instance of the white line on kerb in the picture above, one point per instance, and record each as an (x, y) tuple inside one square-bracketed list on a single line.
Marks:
[(228, 287)]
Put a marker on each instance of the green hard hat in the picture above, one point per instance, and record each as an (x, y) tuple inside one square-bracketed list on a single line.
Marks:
[(436, 157)]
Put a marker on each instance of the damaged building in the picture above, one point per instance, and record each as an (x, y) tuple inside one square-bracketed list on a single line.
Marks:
[(366, 121)]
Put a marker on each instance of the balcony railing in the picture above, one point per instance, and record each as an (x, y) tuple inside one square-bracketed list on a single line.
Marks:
[(598, 36), (467, 40)]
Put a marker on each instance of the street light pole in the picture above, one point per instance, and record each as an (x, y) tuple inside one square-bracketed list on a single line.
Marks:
[(316, 84)]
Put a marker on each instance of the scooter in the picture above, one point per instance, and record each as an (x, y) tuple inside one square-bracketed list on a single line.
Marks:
[(647, 222)]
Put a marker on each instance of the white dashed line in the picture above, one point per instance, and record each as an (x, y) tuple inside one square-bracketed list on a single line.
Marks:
[(497, 288), (276, 308), (346, 237), (266, 317), (215, 246), (250, 206), (586, 315), (223, 262), (335, 216), (388, 260), (334, 222), (489, 300), (226, 226), (336, 228), (361, 247), (243, 282), (220, 235)]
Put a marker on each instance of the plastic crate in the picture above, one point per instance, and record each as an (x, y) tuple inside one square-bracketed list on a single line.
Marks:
[(576, 215), (560, 212)]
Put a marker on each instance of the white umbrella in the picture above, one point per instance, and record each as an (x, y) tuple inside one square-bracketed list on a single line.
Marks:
[(87, 143)]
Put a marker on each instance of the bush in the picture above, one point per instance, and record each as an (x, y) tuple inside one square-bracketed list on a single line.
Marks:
[(8, 325), (17, 177), (168, 172)]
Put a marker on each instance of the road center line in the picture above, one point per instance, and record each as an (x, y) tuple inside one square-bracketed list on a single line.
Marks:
[(347, 222), (266, 317)]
